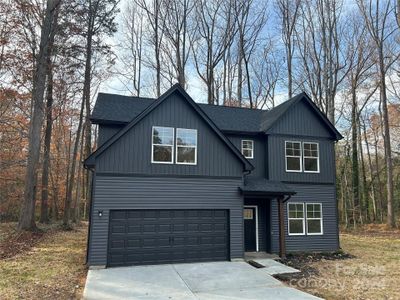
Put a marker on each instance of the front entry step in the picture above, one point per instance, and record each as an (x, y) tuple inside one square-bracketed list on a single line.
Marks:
[(272, 267)]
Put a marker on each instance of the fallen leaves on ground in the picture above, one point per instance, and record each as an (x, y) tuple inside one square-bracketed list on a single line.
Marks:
[(368, 267), (53, 268)]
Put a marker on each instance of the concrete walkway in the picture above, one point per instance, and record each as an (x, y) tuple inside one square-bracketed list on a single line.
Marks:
[(214, 280), (272, 267)]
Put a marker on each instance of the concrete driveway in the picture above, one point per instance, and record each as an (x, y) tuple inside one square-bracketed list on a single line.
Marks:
[(215, 280)]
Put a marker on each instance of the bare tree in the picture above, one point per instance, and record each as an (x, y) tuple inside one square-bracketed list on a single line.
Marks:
[(319, 43), (215, 29), (27, 215), (377, 18), (178, 29), (288, 11), (250, 22), (156, 25), (132, 48)]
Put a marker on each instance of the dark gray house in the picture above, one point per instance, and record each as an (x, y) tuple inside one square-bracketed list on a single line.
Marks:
[(176, 181)]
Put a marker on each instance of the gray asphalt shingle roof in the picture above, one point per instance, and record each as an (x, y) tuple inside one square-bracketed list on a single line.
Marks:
[(262, 185), (122, 109), (111, 108)]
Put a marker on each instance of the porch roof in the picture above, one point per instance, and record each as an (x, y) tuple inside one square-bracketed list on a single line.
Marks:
[(262, 186)]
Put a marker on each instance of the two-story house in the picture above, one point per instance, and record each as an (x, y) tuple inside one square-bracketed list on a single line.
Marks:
[(176, 181)]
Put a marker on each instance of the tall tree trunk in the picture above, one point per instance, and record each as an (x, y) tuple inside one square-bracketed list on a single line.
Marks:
[(27, 214), (355, 165), (68, 200), (373, 191), (387, 142), (44, 218), (86, 98)]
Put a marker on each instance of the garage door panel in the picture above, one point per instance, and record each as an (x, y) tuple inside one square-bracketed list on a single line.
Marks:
[(138, 237)]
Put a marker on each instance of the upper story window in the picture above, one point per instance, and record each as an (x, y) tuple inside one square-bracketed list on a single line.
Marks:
[(311, 157), (293, 156), (162, 145), (302, 157), (296, 222), (186, 146), (248, 148)]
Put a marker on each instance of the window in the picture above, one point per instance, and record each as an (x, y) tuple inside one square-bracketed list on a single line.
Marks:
[(314, 218), (248, 148), (186, 146), (311, 157), (162, 145), (293, 156), (296, 218)]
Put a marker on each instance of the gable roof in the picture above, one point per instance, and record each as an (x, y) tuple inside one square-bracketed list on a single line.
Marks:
[(153, 105), (272, 116), (118, 109)]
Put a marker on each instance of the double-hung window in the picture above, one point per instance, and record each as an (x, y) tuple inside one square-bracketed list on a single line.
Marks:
[(248, 148), (293, 156), (310, 157), (296, 218), (305, 218), (162, 145), (186, 146), (314, 218)]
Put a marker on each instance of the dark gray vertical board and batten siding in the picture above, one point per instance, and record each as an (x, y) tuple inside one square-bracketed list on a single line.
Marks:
[(132, 152), (113, 193), (106, 132), (277, 163), (301, 120), (258, 161)]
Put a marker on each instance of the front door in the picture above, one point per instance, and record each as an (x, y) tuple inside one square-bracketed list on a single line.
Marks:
[(250, 238)]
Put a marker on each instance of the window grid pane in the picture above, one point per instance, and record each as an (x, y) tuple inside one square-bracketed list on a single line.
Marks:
[(293, 156), (186, 137), (186, 143), (163, 136), (247, 148)]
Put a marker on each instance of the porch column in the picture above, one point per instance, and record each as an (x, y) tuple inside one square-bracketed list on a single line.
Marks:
[(281, 215)]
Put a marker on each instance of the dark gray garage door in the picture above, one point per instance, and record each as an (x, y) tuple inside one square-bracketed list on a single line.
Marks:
[(138, 237)]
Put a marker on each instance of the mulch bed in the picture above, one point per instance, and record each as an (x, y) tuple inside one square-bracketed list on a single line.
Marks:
[(19, 242), (302, 261)]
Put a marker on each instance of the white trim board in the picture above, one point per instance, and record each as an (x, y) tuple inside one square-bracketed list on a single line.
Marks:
[(256, 209)]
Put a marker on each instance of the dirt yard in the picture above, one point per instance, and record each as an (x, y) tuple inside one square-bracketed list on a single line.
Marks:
[(368, 268), (49, 264)]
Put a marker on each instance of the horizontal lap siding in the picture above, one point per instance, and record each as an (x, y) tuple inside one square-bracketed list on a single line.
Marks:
[(324, 194), (163, 193)]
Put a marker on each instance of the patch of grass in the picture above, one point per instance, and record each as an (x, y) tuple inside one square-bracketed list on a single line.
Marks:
[(371, 272), (52, 269)]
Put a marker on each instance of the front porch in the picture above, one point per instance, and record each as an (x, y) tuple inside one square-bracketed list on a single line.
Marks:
[(259, 193)]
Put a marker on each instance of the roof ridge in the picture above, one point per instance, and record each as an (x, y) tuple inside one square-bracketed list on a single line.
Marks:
[(198, 103)]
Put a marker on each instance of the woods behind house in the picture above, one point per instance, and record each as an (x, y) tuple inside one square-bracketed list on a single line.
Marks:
[(55, 55)]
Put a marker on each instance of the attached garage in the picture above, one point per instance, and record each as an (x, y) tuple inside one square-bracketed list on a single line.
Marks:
[(138, 237)]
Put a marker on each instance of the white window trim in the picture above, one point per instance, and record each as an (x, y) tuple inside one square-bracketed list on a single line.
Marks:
[(252, 149), (301, 160), (152, 147), (321, 219), (195, 148), (256, 209), (303, 219), (304, 157)]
